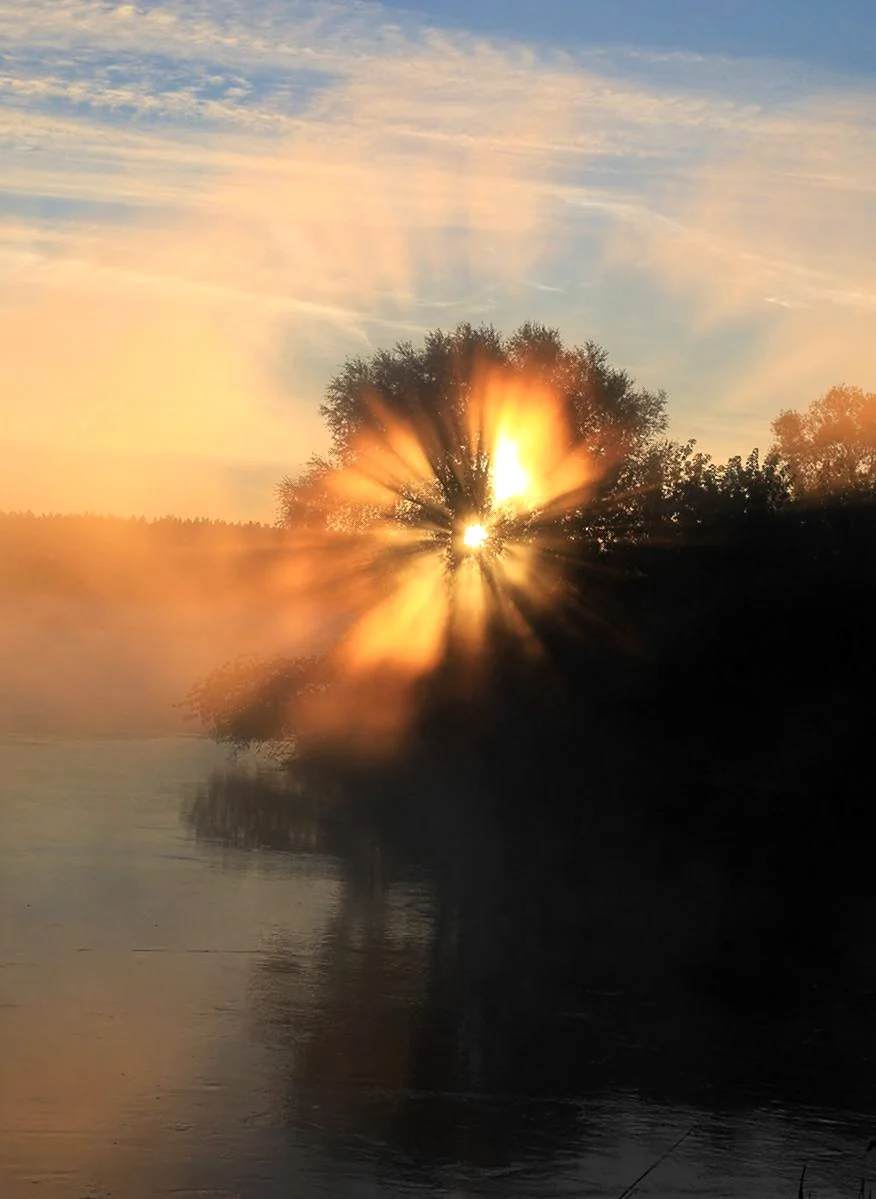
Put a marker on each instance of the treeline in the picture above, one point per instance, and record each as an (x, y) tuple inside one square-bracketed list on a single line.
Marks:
[(117, 558), (158, 524)]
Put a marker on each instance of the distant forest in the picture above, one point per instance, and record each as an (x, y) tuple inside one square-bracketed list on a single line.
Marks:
[(115, 559)]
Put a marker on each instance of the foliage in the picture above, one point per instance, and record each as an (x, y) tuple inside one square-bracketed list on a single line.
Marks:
[(691, 493), (429, 389), (250, 698), (831, 447)]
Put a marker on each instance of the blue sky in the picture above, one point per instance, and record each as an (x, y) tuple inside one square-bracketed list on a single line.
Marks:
[(207, 204), (837, 36)]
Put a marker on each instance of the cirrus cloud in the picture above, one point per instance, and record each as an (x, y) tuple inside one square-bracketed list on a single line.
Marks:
[(205, 207)]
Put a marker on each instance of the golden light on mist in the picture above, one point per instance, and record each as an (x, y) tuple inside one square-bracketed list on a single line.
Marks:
[(474, 537), (407, 575)]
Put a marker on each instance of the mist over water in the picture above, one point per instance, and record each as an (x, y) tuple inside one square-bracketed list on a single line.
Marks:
[(105, 623), (215, 981)]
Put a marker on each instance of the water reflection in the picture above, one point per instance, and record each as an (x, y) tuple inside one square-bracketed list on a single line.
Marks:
[(492, 997), (293, 992)]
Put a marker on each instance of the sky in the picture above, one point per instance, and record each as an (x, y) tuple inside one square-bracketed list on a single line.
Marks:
[(207, 205)]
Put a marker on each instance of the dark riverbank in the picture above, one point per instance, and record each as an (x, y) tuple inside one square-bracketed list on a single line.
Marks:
[(658, 836)]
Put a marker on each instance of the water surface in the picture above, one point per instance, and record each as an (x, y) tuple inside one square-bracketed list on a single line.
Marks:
[(210, 987)]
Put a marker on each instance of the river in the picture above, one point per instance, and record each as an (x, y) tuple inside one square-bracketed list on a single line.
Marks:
[(208, 988)]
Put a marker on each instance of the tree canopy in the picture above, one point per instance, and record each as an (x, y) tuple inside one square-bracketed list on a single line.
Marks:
[(830, 447), (602, 401), (430, 387)]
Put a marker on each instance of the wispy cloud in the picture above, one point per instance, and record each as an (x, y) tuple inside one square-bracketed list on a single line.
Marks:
[(777, 230), (204, 206)]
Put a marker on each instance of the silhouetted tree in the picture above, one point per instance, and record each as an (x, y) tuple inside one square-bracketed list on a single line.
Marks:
[(429, 389), (249, 699), (693, 494), (831, 447)]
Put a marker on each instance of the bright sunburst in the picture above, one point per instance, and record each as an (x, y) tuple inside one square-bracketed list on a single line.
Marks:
[(475, 537), (436, 529)]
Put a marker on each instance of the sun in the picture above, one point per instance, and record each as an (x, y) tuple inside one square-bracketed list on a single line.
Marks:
[(474, 537)]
